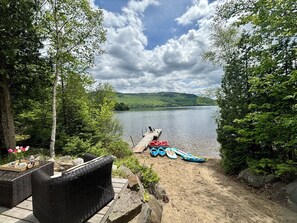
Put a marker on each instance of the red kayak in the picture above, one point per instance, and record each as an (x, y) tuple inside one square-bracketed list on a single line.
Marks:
[(159, 143)]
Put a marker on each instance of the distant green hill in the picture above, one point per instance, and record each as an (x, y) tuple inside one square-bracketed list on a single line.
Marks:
[(162, 99)]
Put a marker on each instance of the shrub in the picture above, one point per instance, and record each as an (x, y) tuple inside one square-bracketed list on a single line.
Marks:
[(119, 149), (77, 147), (285, 171), (149, 177)]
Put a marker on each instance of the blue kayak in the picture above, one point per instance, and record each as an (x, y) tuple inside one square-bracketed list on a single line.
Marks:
[(154, 152), (195, 159), (188, 156), (161, 151)]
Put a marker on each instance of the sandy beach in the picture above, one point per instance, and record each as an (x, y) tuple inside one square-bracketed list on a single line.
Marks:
[(202, 193)]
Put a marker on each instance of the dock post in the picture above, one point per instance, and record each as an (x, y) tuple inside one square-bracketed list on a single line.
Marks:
[(132, 141)]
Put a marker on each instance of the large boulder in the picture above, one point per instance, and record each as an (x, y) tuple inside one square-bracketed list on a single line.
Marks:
[(279, 192), (126, 207), (78, 161), (252, 179), (157, 210), (144, 216), (159, 192), (125, 171), (135, 184), (291, 190)]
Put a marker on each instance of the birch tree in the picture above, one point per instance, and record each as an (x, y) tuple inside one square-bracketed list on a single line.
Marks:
[(73, 32)]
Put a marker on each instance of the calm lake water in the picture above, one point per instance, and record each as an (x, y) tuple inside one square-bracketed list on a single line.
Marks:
[(190, 128)]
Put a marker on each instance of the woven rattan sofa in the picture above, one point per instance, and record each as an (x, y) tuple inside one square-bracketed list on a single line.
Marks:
[(76, 195)]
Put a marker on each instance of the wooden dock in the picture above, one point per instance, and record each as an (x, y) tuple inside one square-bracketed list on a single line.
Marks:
[(147, 138), (23, 212)]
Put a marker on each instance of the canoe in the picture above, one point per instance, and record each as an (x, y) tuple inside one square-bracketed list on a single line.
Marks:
[(170, 153)]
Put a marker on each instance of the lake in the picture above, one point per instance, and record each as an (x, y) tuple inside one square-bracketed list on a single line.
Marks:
[(192, 129)]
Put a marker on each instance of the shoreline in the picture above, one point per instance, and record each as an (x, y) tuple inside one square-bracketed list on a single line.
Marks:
[(200, 192)]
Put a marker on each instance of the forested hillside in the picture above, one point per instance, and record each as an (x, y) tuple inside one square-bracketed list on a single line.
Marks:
[(162, 99)]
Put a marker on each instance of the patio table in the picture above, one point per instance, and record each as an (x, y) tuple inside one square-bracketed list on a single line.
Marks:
[(16, 186)]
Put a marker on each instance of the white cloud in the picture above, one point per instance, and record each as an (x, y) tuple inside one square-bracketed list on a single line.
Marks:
[(174, 66), (198, 10)]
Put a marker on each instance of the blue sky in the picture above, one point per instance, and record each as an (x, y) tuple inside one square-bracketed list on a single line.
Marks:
[(156, 45)]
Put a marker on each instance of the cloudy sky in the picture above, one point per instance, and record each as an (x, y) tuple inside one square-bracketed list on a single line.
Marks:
[(156, 45)]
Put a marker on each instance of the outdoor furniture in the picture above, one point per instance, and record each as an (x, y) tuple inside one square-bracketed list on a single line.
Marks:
[(76, 195), (16, 186), (88, 156)]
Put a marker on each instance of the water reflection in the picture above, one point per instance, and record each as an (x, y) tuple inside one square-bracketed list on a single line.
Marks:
[(190, 128)]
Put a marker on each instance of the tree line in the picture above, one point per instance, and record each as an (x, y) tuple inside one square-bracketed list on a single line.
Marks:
[(46, 49), (255, 42)]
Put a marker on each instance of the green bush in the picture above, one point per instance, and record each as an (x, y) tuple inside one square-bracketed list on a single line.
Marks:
[(285, 171), (77, 147), (148, 176), (119, 149)]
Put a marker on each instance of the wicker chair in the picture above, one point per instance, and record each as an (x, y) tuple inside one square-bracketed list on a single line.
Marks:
[(76, 195), (88, 156)]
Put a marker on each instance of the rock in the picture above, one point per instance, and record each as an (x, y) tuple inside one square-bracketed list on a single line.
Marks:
[(270, 178), (291, 190), (58, 168), (78, 161), (244, 175), (279, 192), (157, 210), (51, 159), (256, 181), (65, 159), (41, 157), (141, 190), (135, 184), (125, 171), (114, 167), (144, 216), (126, 207), (252, 179), (278, 186), (160, 193)]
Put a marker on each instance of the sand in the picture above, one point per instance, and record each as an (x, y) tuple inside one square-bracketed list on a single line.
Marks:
[(202, 193)]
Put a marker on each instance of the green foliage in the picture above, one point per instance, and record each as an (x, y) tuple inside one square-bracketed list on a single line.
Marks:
[(162, 99), (148, 176), (73, 42), (6, 159), (85, 120), (119, 149), (146, 196), (78, 147), (257, 123), (86, 126), (121, 107), (22, 71), (286, 171)]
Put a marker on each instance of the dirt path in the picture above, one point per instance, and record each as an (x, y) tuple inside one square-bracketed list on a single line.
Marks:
[(200, 193)]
